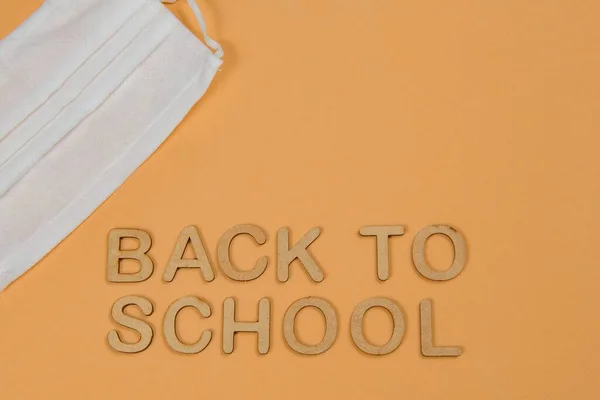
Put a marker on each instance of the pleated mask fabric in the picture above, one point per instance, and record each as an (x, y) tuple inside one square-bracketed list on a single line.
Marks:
[(89, 89)]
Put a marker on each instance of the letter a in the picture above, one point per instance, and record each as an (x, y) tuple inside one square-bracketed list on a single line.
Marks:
[(189, 234)]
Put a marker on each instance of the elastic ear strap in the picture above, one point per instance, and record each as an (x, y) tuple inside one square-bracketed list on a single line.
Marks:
[(207, 39)]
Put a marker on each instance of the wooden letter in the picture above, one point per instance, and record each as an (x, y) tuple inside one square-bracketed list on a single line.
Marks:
[(382, 233), (189, 234), (231, 326), (143, 328), (331, 324), (224, 249), (170, 325), (460, 252), (115, 255), (427, 348), (285, 254), (356, 325)]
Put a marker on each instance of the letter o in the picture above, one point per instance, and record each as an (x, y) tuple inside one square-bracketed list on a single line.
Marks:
[(289, 321), (356, 328), (460, 252)]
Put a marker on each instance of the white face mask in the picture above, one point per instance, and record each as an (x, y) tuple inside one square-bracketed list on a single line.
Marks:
[(88, 90)]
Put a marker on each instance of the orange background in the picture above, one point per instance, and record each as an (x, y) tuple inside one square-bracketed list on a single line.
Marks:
[(338, 114)]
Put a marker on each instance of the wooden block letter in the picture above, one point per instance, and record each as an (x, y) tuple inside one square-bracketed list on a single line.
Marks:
[(427, 347), (285, 254), (231, 326), (189, 235), (170, 325), (141, 327), (331, 325), (382, 233), (115, 255), (356, 326), (460, 252), (224, 249)]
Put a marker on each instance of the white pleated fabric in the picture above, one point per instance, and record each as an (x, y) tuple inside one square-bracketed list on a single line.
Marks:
[(88, 90)]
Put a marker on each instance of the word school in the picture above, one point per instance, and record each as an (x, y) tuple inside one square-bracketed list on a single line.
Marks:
[(286, 254)]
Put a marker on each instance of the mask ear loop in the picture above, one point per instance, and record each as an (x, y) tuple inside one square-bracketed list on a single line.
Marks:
[(207, 39)]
